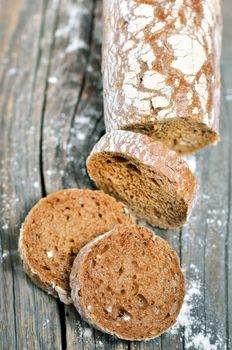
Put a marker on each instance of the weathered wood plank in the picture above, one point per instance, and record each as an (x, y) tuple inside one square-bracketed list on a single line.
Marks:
[(28, 318), (227, 106)]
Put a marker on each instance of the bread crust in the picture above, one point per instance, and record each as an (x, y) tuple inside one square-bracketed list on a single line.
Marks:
[(150, 153), (75, 284), (34, 272), (161, 63)]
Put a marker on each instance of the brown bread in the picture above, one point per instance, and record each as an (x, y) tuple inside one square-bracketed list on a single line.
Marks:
[(147, 176), (161, 70), (57, 227), (128, 283)]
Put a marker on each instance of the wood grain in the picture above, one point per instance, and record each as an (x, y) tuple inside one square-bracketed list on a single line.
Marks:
[(51, 115), (27, 319)]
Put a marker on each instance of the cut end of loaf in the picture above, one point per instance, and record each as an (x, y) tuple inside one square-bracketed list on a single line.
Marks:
[(128, 283), (58, 227), (156, 184), (182, 135)]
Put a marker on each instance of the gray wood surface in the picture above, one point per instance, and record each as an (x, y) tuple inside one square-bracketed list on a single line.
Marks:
[(50, 117)]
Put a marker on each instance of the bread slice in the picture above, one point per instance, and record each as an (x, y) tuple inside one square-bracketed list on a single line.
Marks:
[(56, 229), (156, 183), (128, 283), (161, 70)]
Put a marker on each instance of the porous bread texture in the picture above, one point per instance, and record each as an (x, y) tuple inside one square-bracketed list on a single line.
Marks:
[(161, 70), (184, 135), (128, 283), (152, 180), (57, 227)]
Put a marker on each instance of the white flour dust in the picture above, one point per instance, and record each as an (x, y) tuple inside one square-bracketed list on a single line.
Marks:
[(188, 321)]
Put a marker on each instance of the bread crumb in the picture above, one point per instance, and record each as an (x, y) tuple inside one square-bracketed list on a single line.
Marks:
[(126, 318), (90, 308), (109, 308), (50, 254), (126, 211)]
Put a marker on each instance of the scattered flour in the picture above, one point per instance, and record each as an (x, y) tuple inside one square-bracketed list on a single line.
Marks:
[(72, 30), (46, 322), (53, 80), (188, 320), (5, 254), (12, 71), (5, 227), (191, 161)]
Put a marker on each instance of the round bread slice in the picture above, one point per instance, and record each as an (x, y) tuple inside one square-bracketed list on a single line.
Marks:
[(150, 178), (128, 283), (57, 227)]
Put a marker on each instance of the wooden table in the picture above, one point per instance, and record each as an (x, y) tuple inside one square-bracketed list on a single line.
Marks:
[(50, 118)]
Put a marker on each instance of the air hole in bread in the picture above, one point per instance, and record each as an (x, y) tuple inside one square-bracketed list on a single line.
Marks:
[(134, 264), (123, 314), (135, 287), (120, 271), (141, 300), (133, 167), (119, 159), (105, 248)]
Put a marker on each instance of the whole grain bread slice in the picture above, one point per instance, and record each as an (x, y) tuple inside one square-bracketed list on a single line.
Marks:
[(128, 283), (57, 227), (150, 178)]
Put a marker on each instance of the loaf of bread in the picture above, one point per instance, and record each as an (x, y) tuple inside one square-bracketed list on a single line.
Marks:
[(128, 283), (161, 70), (56, 229), (145, 174)]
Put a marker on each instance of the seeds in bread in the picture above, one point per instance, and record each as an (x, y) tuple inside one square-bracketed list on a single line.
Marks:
[(57, 227), (128, 283), (161, 70), (157, 184)]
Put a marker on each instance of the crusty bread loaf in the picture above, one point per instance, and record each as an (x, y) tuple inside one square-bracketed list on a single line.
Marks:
[(161, 70), (147, 176), (128, 283), (57, 227)]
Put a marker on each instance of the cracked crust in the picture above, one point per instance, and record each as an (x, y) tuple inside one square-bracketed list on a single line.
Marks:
[(161, 73), (131, 297), (151, 179)]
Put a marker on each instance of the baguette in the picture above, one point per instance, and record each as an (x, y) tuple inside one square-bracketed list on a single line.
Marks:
[(161, 72)]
